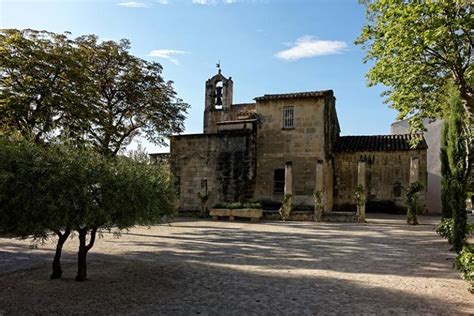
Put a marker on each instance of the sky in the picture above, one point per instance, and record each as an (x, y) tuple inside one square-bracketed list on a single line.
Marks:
[(266, 46)]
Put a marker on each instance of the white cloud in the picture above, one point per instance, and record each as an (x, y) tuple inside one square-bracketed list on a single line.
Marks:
[(162, 1), (133, 4), (168, 54), (307, 46)]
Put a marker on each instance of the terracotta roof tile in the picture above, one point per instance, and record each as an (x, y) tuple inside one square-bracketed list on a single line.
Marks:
[(308, 94), (377, 143)]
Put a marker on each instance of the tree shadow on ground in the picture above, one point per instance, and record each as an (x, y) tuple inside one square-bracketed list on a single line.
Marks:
[(204, 267), (153, 287), (412, 251)]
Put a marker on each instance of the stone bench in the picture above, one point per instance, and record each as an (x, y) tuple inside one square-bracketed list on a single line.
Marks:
[(253, 214)]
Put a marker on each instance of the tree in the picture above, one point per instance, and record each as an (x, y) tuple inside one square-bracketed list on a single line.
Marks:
[(416, 48), (129, 98), (445, 172), (57, 189), (85, 93), (89, 92), (128, 194), (41, 83), (39, 188), (459, 169)]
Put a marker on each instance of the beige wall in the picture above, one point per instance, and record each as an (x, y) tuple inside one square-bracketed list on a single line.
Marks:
[(384, 169), (226, 160), (432, 137), (304, 145)]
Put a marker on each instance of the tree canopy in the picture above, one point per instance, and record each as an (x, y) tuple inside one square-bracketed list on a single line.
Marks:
[(41, 82), (130, 97), (76, 103), (58, 189), (91, 92), (416, 48)]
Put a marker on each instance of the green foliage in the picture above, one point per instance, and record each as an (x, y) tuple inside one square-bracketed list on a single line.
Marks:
[(318, 204), (445, 229), (239, 205), (445, 172), (458, 142), (92, 93), (50, 187), (413, 202), (359, 195), (285, 209), (53, 188), (128, 97), (41, 82), (417, 47), (465, 263), (31, 198)]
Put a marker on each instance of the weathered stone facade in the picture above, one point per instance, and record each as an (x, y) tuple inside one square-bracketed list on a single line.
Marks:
[(220, 165), (242, 154), (387, 176)]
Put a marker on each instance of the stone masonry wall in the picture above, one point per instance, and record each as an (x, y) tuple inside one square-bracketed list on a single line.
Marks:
[(225, 160), (387, 174), (304, 145)]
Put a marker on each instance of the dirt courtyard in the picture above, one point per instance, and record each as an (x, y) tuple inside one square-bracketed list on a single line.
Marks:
[(240, 268)]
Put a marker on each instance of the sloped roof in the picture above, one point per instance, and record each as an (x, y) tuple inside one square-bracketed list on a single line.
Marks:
[(377, 143), (308, 94)]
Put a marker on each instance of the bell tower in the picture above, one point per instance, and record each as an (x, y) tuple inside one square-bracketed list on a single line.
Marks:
[(218, 100)]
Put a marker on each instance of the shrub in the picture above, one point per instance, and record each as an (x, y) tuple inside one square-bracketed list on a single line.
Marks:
[(465, 264), (445, 229), (413, 202), (285, 209), (359, 198), (318, 205), (239, 205), (446, 226), (59, 189)]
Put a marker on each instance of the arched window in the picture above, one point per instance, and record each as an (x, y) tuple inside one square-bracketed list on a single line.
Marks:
[(218, 101)]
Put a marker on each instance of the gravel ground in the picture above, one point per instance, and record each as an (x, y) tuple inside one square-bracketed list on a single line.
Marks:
[(240, 268)]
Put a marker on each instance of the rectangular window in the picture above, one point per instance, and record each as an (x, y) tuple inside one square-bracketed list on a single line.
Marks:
[(288, 115), (279, 181)]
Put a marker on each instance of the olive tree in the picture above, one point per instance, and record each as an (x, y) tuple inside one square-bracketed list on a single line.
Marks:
[(46, 189), (86, 93)]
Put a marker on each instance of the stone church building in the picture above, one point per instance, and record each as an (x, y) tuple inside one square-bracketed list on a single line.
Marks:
[(256, 151)]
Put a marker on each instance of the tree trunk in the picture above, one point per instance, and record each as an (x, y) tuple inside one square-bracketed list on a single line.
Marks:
[(62, 237), (82, 254)]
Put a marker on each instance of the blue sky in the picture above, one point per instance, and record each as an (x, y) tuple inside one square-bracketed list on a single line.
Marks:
[(266, 46)]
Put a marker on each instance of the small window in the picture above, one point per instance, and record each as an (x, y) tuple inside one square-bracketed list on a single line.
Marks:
[(288, 115), (279, 181)]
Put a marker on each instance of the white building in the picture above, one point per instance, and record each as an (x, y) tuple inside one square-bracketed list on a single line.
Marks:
[(432, 137)]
